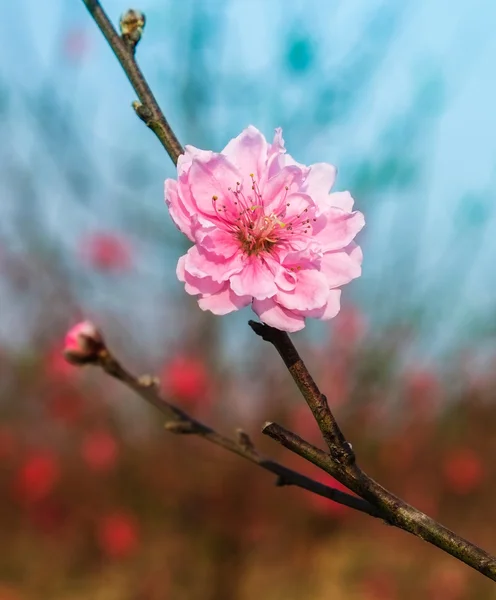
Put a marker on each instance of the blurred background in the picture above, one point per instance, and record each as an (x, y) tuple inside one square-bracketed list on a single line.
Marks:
[(96, 501)]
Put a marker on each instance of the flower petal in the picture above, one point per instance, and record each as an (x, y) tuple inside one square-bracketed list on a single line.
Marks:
[(212, 178), (248, 152), (275, 315), (328, 311), (311, 291), (216, 241), (177, 209), (196, 285), (341, 266), (255, 279), (224, 301), (200, 263), (335, 229), (319, 180), (343, 200)]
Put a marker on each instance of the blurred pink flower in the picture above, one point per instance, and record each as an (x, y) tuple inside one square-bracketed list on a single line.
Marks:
[(464, 470), (118, 534), (266, 231), (186, 378), (99, 450), (37, 476), (106, 251), (75, 44)]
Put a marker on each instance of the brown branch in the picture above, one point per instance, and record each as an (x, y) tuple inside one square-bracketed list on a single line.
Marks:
[(123, 47), (179, 422), (340, 463)]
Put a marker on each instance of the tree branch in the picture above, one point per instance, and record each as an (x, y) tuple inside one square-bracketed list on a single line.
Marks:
[(147, 109), (340, 463), (179, 422)]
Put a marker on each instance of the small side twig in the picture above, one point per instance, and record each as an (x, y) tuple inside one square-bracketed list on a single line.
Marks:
[(179, 422)]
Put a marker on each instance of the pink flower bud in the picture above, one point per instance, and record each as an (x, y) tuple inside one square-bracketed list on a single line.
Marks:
[(82, 343)]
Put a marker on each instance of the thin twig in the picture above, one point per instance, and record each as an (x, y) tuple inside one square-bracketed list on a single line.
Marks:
[(337, 462), (147, 109), (179, 422)]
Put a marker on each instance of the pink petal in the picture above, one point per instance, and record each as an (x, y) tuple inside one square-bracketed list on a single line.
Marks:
[(328, 311), (343, 200), (335, 229), (177, 209), (311, 291), (196, 285), (213, 178), (319, 181), (276, 316), (200, 263), (341, 266), (216, 241), (274, 191), (248, 152), (285, 280), (255, 280), (224, 301), (296, 204)]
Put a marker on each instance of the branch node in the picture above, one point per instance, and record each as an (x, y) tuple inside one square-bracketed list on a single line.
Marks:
[(143, 112), (131, 25), (244, 441), (148, 381)]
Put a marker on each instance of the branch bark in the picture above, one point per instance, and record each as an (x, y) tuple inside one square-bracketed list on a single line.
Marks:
[(340, 462)]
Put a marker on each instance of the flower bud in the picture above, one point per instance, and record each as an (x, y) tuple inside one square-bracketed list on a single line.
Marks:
[(83, 343), (132, 24)]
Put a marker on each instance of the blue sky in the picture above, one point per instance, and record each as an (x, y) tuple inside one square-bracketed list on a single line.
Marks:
[(452, 39)]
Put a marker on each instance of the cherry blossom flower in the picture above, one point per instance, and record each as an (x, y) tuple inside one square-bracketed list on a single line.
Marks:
[(266, 231)]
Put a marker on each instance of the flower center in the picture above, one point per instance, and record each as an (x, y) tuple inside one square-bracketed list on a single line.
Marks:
[(256, 231)]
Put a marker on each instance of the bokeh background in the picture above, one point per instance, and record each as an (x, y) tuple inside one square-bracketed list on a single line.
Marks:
[(96, 500)]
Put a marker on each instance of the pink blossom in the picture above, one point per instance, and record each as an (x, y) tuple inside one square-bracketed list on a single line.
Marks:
[(266, 231), (82, 343), (106, 251)]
